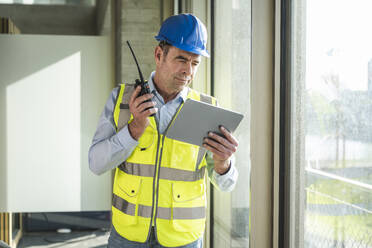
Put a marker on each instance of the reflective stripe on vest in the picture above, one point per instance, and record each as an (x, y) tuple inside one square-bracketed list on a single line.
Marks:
[(163, 213), (124, 115), (167, 173), (201, 153), (146, 170), (205, 98)]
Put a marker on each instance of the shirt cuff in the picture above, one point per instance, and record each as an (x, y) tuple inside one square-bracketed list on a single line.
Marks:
[(226, 175), (227, 181), (125, 139)]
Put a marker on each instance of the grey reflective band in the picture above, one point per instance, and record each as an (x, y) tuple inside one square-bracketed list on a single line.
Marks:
[(128, 90), (201, 153), (181, 175), (146, 170), (144, 211), (181, 213), (123, 205), (162, 213), (189, 213), (124, 114), (205, 98), (124, 106)]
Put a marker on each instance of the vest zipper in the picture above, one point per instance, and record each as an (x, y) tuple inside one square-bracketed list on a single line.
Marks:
[(158, 166), (154, 180)]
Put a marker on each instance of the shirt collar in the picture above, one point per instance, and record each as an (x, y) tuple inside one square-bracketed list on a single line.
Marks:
[(181, 96)]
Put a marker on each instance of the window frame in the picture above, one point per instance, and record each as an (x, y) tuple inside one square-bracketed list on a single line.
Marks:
[(264, 143), (285, 125), (264, 125), (291, 204)]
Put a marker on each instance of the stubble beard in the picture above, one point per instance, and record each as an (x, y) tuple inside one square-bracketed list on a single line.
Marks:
[(177, 86)]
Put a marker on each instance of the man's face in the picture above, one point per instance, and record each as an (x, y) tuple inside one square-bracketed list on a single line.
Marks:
[(175, 70)]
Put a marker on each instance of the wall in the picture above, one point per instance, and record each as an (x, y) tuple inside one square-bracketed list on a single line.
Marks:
[(52, 90), (103, 17), (141, 21)]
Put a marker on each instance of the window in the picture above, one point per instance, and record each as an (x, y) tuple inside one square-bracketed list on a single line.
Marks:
[(330, 124), (231, 81)]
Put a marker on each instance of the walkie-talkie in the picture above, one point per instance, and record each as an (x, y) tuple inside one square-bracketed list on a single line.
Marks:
[(145, 88)]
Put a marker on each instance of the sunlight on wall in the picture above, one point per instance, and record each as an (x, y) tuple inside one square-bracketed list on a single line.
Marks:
[(42, 116)]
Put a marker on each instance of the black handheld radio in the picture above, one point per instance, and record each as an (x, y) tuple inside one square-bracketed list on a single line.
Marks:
[(145, 88)]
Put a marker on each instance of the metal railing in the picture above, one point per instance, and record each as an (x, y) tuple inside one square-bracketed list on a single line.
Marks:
[(334, 222)]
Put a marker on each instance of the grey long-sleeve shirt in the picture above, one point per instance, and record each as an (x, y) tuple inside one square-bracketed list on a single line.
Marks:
[(110, 148)]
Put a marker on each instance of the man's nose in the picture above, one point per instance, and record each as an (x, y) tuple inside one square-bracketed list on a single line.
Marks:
[(187, 69)]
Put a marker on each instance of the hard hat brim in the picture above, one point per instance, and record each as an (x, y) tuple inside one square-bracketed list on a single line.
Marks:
[(185, 47)]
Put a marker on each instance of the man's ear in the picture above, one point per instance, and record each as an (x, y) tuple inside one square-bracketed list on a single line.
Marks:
[(158, 54)]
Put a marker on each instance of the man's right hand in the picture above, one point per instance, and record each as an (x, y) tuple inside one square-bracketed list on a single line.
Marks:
[(138, 106)]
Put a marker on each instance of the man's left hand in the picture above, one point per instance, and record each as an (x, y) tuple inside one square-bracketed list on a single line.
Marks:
[(222, 148)]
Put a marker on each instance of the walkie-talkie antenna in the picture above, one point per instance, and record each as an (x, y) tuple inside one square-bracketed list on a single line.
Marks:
[(135, 59)]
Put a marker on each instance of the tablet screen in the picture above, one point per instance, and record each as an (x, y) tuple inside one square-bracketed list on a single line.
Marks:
[(196, 119)]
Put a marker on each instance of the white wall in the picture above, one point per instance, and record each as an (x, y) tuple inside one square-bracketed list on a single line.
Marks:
[(52, 91)]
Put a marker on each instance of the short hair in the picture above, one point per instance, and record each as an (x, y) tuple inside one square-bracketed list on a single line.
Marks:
[(165, 47)]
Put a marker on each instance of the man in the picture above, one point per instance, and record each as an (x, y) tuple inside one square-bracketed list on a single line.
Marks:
[(159, 195)]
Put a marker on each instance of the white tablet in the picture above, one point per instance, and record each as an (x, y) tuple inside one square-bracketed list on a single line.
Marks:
[(196, 119)]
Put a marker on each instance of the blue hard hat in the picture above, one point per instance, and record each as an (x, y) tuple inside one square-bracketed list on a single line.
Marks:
[(186, 32)]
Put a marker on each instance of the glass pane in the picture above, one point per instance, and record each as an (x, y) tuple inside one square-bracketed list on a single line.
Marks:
[(232, 88), (332, 123)]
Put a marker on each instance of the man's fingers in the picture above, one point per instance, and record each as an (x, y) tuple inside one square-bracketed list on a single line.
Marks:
[(150, 111), (146, 113), (215, 144), (134, 95), (139, 100), (213, 150), (229, 136), (218, 149), (145, 105), (225, 142)]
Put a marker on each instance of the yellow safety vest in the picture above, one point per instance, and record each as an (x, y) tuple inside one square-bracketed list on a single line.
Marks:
[(161, 184)]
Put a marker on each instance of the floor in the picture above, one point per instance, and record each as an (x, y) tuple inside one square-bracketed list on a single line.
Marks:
[(81, 239)]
